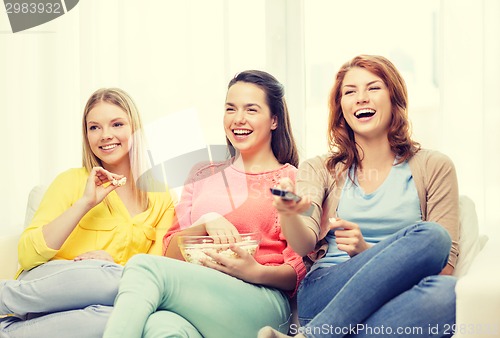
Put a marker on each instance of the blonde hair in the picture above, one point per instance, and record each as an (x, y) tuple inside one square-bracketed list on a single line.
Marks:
[(121, 99)]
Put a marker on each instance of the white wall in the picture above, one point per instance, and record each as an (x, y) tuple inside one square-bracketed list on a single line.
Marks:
[(448, 52), (337, 31), (39, 97), (491, 122), (173, 55), (169, 55), (469, 91)]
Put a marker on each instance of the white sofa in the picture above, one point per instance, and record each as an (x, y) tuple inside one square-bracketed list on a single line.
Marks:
[(478, 270), (8, 241)]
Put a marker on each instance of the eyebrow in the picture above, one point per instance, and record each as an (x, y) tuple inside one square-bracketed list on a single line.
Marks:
[(246, 105), (112, 121), (368, 84)]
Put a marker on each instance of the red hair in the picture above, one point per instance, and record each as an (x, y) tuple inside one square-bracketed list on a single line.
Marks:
[(341, 141)]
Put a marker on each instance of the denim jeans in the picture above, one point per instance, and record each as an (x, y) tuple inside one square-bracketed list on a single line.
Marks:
[(390, 290), (60, 299), (164, 297)]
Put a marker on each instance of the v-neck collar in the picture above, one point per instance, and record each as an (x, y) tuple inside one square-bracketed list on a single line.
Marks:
[(118, 203)]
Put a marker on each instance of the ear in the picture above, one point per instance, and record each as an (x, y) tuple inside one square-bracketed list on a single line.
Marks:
[(274, 123)]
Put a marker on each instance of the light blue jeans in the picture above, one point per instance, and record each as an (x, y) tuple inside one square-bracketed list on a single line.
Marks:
[(60, 299), (390, 290), (162, 297)]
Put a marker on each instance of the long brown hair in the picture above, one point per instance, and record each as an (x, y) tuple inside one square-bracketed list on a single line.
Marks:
[(282, 141), (342, 145), (121, 99)]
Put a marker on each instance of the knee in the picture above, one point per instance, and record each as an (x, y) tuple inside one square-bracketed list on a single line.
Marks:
[(113, 270), (99, 310), (169, 324), (142, 265), (438, 238), (139, 261)]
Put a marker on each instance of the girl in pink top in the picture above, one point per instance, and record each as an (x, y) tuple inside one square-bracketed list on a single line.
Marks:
[(166, 297)]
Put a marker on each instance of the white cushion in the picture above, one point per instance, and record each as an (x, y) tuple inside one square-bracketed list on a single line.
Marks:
[(34, 199), (8, 254), (478, 294), (470, 242), (8, 241)]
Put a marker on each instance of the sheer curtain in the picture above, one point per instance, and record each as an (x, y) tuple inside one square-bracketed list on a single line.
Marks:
[(40, 108), (448, 51), (470, 114), (174, 56), (171, 56)]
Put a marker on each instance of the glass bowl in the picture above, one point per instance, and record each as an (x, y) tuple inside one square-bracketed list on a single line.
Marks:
[(193, 248)]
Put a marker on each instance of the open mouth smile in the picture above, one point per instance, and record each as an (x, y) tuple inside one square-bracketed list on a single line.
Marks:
[(109, 146), (241, 132), (364, 113)]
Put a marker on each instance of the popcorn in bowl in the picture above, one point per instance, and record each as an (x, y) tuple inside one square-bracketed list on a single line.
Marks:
[(193, 248)]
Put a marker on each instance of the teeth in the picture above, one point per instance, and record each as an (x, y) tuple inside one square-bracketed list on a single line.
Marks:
[(241, 132), (367, 111), (109, 146)]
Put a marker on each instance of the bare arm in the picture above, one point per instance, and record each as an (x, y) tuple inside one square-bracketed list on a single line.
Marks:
[(173, 250), (282, 277), (246, 268), (208, 224), (448, 270), (298, 235)]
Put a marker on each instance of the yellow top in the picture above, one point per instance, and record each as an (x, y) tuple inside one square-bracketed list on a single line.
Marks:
[(102, 228)]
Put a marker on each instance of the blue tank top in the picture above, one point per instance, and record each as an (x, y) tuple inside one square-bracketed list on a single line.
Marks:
[(392, 207)]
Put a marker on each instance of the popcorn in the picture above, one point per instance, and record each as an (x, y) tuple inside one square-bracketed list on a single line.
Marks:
[(120, 182), (196, 249), (195, 253)]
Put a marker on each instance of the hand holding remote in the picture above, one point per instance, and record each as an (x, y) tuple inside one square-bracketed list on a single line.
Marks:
[(285, 195)]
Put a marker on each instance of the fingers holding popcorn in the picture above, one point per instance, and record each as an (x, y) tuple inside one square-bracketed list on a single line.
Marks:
[(236, 261), (96, 189), (102, 176), (119, 182)]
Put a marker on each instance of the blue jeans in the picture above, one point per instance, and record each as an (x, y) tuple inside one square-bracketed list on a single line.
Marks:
[(390, 290), (163, 297), (60, 299)]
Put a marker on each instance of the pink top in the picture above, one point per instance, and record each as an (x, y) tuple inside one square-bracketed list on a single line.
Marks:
[(245, 201)]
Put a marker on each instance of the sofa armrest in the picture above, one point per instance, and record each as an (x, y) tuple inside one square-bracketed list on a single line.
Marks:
[(478, 294), (8, 254)]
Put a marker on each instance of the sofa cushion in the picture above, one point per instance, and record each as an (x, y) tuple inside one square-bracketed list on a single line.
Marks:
[(8, 254), (34, 199), (470, 242)]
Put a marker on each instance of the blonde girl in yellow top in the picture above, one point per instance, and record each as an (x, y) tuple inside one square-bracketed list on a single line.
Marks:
[(89, 223)]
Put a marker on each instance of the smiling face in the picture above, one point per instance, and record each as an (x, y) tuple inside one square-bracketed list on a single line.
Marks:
[(366, 104), (109, 133), (247, 120)]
